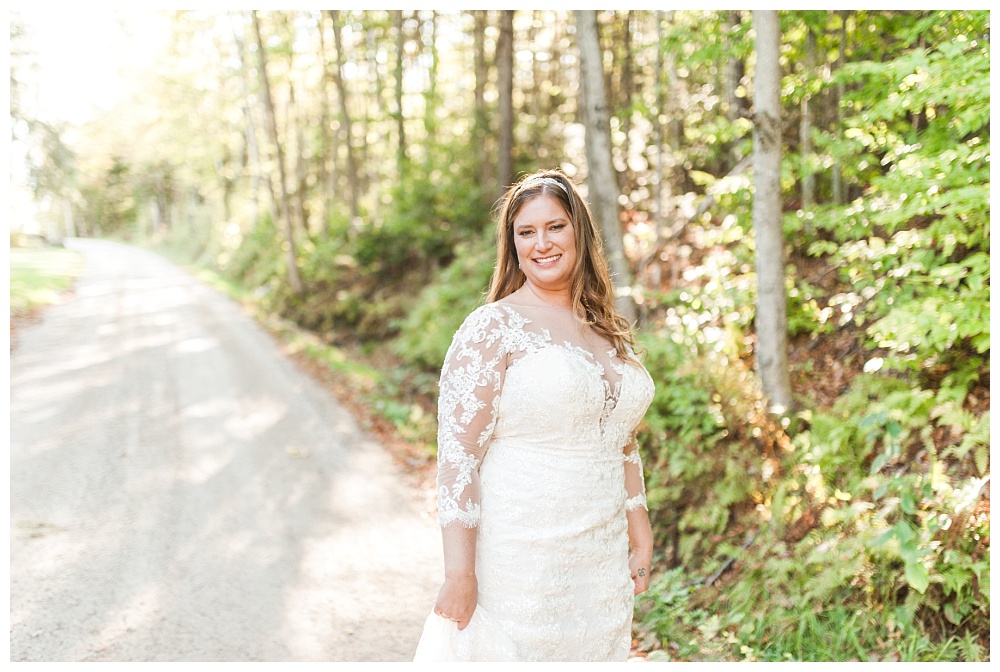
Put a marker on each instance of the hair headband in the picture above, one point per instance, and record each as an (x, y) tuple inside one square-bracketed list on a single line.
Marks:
[(544, 180)]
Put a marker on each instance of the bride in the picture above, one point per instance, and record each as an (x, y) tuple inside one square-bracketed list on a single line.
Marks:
[(540, 489)]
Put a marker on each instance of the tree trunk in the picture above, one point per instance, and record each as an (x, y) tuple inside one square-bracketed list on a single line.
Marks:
[(771, 318), (69, 225), (805, 125), (734, 70), (430, 95), (674, 116), (505, 99), (327, 177), (601, 181), (482, 121), (733, 76), (255, 165), (627, 83), (301, 170), (272, 126), (837, 177), (371, 123), (658, 201), (649, 270), (402, 165), (338, 79), (532, 97)]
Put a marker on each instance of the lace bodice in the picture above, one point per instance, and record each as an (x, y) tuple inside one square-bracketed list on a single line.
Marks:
[(537, 376)]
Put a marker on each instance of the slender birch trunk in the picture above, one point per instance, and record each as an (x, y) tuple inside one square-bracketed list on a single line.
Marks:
[(601, 181), (771, 318)]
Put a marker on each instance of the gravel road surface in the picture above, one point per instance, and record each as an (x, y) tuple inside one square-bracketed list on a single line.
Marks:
[(179, 491)]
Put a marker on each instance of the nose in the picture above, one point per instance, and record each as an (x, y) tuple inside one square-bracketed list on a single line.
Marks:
[(542, 241)]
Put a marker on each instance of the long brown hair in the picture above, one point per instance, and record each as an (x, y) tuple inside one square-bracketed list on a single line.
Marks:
[(592, 293)]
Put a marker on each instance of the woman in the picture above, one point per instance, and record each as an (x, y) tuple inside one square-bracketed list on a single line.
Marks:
[(540, 489)]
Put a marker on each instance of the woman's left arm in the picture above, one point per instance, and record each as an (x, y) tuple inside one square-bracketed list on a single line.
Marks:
[(640, 533)]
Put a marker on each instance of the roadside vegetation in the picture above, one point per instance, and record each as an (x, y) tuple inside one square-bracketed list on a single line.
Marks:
[(853, 525), (40, 276)]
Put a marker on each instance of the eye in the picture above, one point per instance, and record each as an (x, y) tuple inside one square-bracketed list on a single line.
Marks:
[(558, 227), (524, 233)]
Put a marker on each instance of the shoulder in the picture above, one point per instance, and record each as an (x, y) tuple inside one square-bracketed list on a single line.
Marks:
[(482, 326), (479, 341), (489, 317), (494, 327)]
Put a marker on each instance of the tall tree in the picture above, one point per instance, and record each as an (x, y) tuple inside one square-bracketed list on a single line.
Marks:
[(733, 78), (625, 104), (254, 162), (482, 122), (734, 69), (401, 160), (806, 122), (601, 181), (353, 172), (771, 316), (431, 97), (291, 261), (505, 98), (301, 181), (327, 177), (837, 173)]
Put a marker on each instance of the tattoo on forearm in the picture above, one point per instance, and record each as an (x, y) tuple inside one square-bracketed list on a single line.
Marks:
[(642, 571)]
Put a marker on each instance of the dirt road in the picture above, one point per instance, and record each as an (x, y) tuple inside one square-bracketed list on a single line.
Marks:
[(179, 491)]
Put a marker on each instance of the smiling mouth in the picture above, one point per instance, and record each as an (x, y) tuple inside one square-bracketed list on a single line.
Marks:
[(544, 261)]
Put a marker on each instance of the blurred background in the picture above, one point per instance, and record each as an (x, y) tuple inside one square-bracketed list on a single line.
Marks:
[(336, 170)]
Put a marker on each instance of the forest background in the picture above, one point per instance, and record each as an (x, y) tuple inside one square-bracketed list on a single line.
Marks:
[(337, 169)]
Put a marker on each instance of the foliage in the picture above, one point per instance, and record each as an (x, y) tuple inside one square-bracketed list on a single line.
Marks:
[(872, 539), (441, 306), (428, 215), (855, 527), (255, 260), (38, 275), (916, 248)]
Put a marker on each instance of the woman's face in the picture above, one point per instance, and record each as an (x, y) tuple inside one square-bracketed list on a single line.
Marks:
[(546, 244)]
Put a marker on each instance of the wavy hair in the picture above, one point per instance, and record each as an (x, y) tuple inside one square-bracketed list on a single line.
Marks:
[(592, 293)]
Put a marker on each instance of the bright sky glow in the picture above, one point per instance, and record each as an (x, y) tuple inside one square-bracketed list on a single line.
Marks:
[(82, 54)]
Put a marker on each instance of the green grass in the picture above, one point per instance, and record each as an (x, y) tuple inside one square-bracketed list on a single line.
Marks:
[(38, 276), (693, 628)]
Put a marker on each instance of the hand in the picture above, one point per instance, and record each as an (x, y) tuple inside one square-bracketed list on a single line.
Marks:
[(640, 563), (457, 599)]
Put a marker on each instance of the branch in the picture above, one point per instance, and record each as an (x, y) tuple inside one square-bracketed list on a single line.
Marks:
[(703, 207), (708, 581)]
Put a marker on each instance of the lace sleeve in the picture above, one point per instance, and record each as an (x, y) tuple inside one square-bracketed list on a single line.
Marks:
[(635, 486), (469, 392)]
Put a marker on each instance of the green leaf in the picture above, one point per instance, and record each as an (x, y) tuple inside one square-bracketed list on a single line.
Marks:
[(879, 462), (872, 420), (908, 551), (907, 502), (953, 613), (917, 576), (903, 532), (982, 458)]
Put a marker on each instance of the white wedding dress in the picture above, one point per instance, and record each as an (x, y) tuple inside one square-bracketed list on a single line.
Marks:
[(536, 448)]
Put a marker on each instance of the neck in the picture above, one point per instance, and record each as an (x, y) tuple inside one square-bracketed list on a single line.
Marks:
[(553, 298)]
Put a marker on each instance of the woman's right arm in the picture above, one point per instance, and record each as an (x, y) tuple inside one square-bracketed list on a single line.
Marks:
[(460, 591), (471, 380)]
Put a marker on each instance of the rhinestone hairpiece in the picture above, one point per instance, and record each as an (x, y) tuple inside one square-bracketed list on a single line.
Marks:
[(544, 180)]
